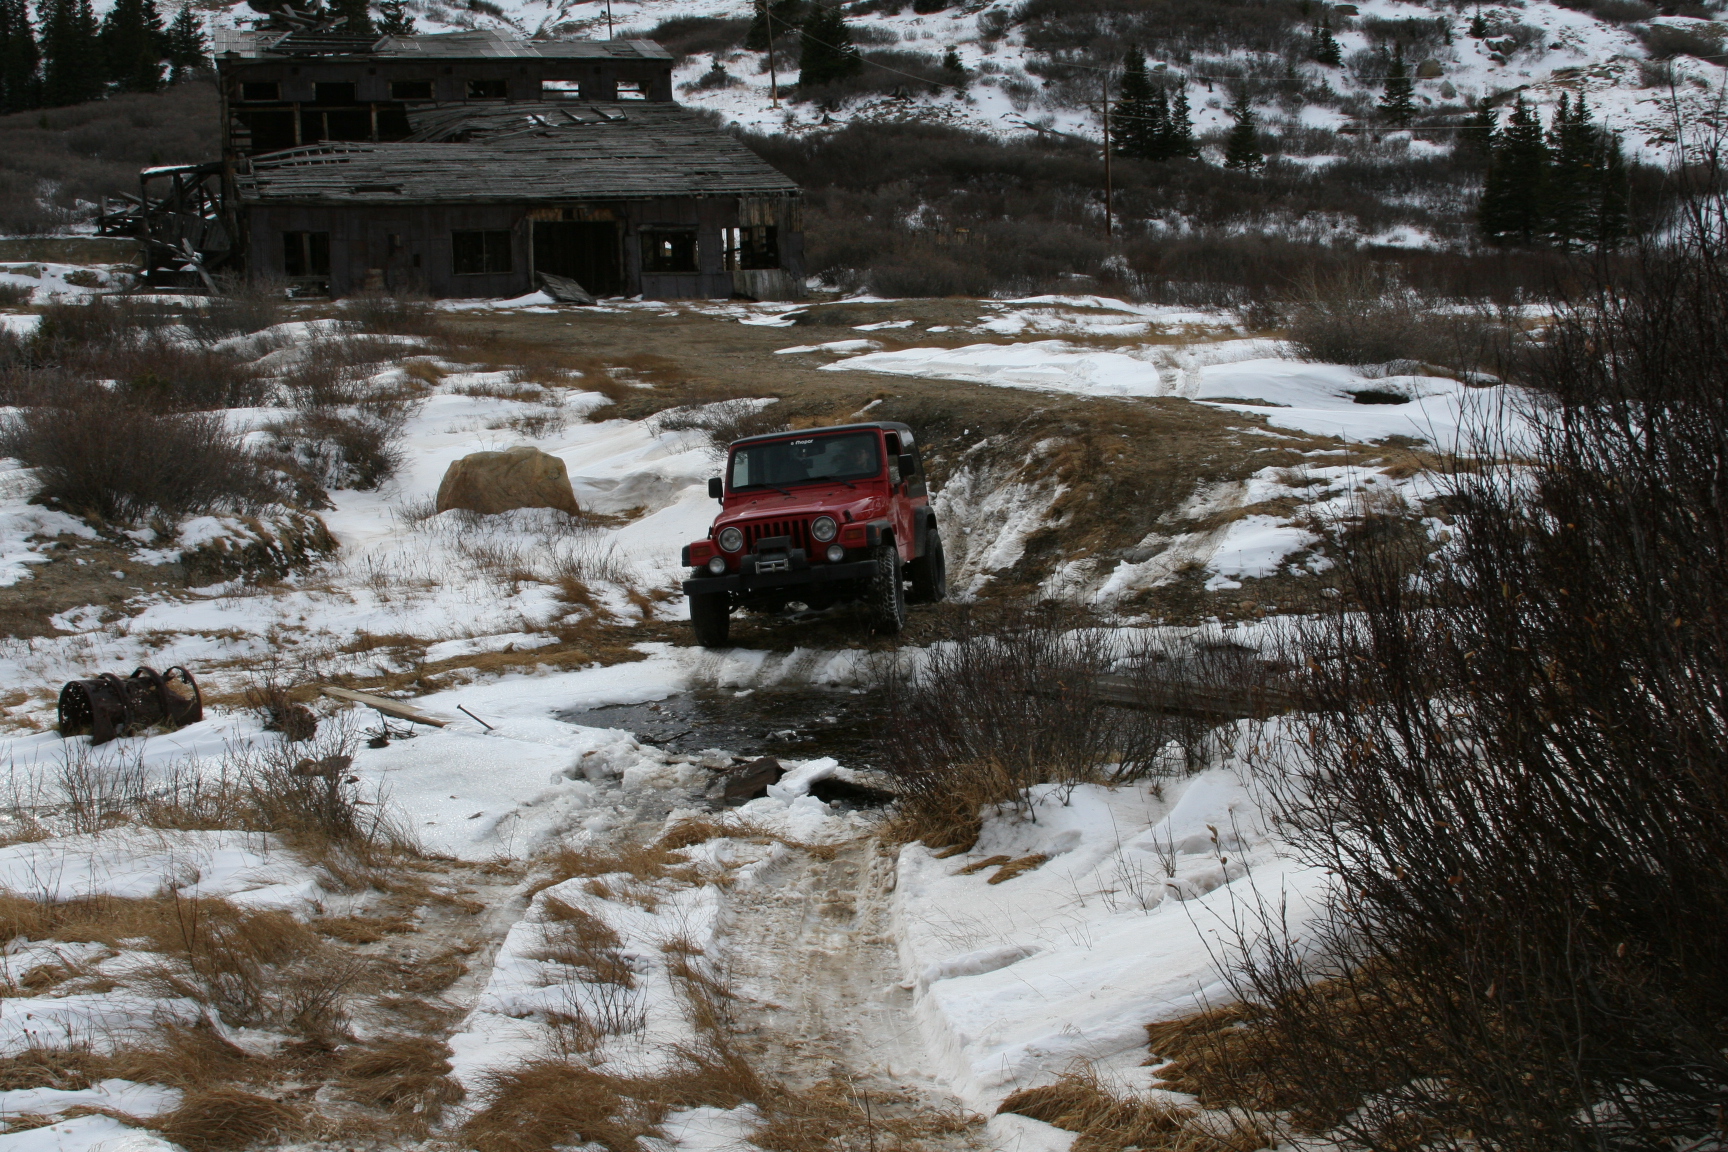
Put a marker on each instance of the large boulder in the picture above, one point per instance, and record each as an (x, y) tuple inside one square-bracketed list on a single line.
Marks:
[(520, 477)]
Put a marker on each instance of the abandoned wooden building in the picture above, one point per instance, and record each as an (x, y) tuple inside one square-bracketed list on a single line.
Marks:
[(466, 165)]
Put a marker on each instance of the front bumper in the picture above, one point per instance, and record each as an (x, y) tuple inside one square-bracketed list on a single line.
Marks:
[(751, 581)]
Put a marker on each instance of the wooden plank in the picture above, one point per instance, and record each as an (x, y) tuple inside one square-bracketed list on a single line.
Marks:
[(388, 707)]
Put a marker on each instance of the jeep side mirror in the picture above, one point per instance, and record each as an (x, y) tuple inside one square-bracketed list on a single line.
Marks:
[(716, 489), (907, 466)]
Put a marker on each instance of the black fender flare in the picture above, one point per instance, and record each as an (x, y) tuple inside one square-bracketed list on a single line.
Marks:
[(877, 532)]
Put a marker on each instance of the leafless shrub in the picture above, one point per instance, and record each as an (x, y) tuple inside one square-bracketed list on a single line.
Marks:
[(1514, 770), (103, 453), (723, 422), (1359, 316), (392, 315), (1023, 703), (15, 295)]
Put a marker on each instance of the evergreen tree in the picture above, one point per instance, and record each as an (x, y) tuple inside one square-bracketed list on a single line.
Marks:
[(356, 17), (1325, 49), (1476, 137), (1242, 146), (72, 69), (1612, 223), (20, 86), (1574, 175), (188, 47), (132, 45), (953, 67), (826, 48), (1398, 104), (393, 18), (787, 15), (1514, 208), (1478, 26), (1134, 127), (1182, 144)]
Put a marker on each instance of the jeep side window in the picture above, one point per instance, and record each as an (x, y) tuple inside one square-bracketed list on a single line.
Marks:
[(893, 442)]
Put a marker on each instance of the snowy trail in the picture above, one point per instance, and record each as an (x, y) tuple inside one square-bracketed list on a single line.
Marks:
[(818, 981)]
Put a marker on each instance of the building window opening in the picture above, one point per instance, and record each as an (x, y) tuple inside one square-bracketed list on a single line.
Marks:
[(560, 89), (333, 93), (261, 91), (488, 89), (305, 254), (752, 248), (669, 251), (480, 253), (410, 89), (631, 90)]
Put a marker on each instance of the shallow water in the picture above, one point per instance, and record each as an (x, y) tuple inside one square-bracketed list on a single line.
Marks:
[(796, 724)]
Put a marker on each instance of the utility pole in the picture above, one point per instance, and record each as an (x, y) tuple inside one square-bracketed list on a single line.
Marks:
[(773, 77), (1109, 186), (608, 19)]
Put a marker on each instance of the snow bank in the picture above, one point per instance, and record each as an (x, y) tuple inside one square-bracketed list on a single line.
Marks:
[(250, 869), (1123, 925), (85, 1134)]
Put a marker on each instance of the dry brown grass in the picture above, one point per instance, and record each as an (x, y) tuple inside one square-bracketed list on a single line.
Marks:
[(407, 1075), (225, 1119), (362, 929), (547, 1103), (68, 1069), (1015, 867), (583, 943), (188, 1058), (1105, 1122)]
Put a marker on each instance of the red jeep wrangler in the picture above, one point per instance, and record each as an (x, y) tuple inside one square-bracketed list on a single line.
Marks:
[(818, 516)]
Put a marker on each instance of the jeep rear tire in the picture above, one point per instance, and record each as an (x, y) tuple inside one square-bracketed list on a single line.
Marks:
[(930, 572), (887, 598), (710, 618)]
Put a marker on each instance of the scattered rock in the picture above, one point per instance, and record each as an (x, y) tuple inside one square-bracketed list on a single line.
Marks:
[(295, 721), (750, 780), (1429, 70), (263, 547), (520, 477), (328, 766)]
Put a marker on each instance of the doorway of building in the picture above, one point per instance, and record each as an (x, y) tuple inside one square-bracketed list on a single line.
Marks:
[(586, 251)]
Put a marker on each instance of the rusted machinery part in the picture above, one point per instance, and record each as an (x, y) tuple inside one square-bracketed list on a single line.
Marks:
[(107, 706)]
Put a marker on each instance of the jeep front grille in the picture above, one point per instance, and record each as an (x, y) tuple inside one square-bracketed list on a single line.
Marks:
[(799, 530)]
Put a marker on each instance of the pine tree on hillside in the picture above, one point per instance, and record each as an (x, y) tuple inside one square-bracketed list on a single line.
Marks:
[(1476, 138), (1134, 126), (954, 67), (1514, 208), (1478, 26), (356, 16), (188, 47), (1242, 145), (1574, 175), (1182, 144), (20, 85), (788, 16), (826, 48), (1398, 103), (393, 18), (1325, 48), (1612, 215), (132, 45), (72, 70)]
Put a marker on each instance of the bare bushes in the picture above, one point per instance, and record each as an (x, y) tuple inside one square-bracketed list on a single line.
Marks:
[(1517, 771), (1364, 316), (723, 422), (1035, 701), (349, 428), (105, 454)]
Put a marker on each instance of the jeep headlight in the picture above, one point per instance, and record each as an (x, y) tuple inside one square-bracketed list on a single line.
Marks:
[(824, 528), (731, 539)]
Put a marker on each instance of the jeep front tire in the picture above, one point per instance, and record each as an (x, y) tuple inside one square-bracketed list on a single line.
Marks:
[(887, 597), (930, 572), (710, 618)]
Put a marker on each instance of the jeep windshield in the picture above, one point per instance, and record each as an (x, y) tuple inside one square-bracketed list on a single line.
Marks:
[(782, 463)]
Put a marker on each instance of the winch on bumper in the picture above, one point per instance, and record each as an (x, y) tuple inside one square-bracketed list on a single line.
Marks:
[(776, 564)]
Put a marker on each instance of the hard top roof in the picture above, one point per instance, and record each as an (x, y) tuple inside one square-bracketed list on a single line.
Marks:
[(884, 425), (476, 44)]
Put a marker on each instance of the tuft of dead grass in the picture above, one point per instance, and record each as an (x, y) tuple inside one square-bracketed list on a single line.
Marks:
[(226, 1119), (1105, 1122), (67, 1069), (583, 943), (407, 1075), (546, 1104)]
